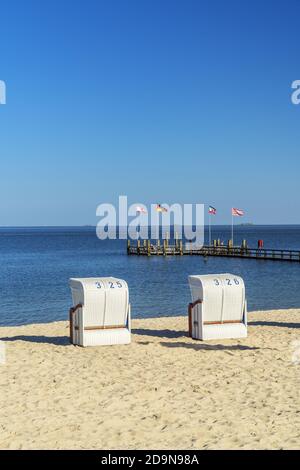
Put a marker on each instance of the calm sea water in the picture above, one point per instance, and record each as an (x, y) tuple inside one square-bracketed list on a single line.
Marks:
[(36, 264)]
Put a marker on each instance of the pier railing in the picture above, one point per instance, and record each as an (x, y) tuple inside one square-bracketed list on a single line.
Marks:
[(179, 249)]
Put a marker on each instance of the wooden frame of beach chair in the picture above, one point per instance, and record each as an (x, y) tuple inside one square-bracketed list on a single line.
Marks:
[(101, 315), (219, 307)]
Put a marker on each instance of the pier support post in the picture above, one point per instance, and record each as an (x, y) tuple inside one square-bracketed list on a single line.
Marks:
[(148, 248), (244, 247), (176, 240), (244, 244)]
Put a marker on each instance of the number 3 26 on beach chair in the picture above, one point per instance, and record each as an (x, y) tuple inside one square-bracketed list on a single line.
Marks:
[(101, 312), (219, 307)]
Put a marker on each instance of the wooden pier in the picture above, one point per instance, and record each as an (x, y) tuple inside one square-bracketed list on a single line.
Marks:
[(146, 248)]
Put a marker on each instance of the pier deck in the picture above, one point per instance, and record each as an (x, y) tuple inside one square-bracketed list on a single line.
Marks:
[(222, 251)]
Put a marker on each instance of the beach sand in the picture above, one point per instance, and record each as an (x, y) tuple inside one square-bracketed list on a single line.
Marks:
[(164, 391)]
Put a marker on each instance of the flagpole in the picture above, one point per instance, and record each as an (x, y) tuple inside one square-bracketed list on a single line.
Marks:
[(209, 228), (232, 227)]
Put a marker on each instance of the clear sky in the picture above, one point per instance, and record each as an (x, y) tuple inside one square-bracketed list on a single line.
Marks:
[(163, 101)]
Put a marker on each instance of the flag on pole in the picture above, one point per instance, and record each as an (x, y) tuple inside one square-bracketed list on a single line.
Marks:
[(237, 212), (212, 211), (160, 208), (141, 210)]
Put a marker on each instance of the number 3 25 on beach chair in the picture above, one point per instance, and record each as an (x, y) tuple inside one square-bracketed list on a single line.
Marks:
[(101, 312), (219, 307)]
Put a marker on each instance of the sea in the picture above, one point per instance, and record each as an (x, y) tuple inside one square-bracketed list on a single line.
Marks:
[(37, 262)]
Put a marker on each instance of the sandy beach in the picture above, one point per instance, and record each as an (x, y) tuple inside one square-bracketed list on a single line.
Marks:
[(164, 391)]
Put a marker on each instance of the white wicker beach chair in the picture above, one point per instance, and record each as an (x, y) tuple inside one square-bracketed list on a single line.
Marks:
[(101, 312), (219, 307)]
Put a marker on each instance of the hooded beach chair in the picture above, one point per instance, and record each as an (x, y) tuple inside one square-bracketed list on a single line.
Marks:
[(219, 308), (101, 312)]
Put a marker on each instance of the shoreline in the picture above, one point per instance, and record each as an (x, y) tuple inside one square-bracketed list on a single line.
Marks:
[(134, 319), (164, 391)]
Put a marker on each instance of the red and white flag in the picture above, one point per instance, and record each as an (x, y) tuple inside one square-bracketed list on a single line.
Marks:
[(140, 210), (237, 212), (212, 210)]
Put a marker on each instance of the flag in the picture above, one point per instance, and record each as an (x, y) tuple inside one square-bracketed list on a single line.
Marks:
[(141, 210), (160, 208), (212, 210), (237, 212)]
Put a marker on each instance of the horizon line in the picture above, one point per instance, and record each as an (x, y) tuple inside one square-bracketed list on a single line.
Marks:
[(124, 226)]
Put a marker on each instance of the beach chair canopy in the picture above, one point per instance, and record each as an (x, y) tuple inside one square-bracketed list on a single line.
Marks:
[(103, 306), (219, 305)]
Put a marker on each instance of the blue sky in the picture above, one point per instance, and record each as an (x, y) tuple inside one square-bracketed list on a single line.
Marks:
[(163, 101)]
